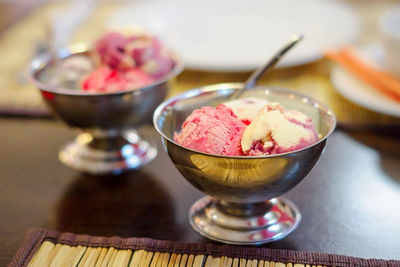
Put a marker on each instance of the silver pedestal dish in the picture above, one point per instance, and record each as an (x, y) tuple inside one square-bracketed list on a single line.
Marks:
[(109, 142), (244, 203)]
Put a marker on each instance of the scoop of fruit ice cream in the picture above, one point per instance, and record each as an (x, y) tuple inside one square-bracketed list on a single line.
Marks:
[(246, 109), (278, 130), (105, 79), (159, 65), (111, 49), (212, 130), (137, 50), (148, 53)]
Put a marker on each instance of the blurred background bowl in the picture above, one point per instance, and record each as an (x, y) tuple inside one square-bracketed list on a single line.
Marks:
[(243, 207), (109, 142)]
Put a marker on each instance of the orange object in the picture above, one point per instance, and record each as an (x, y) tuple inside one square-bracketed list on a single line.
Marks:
[(385, 83)]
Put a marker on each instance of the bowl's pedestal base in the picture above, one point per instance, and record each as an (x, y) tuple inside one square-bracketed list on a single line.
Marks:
[(244, 224), (107, 155)]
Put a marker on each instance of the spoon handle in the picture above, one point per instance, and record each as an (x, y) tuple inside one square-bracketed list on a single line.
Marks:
[(252, 80)]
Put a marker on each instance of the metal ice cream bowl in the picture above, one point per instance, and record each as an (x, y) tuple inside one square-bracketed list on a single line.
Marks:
[(109, 142), (243, 205)]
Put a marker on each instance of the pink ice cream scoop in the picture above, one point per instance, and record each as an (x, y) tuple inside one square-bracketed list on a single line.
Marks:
[(106, 79), (212, 130), (148, 53), (278, 130), (111, 49), (141, 50), (127, 63)]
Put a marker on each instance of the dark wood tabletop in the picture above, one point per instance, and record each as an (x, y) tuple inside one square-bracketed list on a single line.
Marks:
[(349, 201)]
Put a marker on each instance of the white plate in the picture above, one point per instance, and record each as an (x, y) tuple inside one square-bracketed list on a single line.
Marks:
[(239, 35), (361, 93)]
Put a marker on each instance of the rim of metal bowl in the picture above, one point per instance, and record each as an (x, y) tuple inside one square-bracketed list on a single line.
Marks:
[(42, 61), (228, 86)]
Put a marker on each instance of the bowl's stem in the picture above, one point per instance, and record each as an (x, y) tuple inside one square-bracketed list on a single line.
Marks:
[(243, 209), (101, 154)]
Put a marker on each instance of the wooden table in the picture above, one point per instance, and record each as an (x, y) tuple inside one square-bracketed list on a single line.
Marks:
[(349, 201)]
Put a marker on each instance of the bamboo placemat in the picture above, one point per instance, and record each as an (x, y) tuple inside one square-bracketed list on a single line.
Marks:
[(19, 97), (43, 247)]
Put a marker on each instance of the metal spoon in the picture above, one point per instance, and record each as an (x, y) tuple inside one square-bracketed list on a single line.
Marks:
[(252, 80)]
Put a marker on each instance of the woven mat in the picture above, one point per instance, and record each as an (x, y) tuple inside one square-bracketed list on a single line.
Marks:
[(43, 247), (19, 97)]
